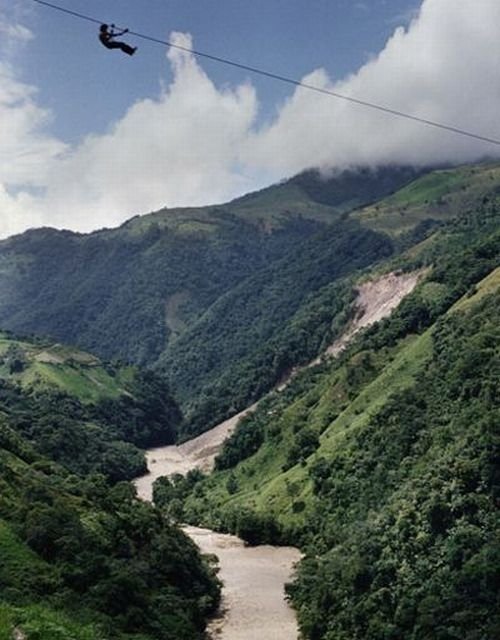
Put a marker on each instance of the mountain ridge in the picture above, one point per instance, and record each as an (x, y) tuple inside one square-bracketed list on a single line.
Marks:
[(156, 295)]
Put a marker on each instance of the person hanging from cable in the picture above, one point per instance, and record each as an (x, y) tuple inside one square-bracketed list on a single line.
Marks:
[(107, 37)]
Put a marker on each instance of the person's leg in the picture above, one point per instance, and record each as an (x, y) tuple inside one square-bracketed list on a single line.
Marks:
[(126, 48)]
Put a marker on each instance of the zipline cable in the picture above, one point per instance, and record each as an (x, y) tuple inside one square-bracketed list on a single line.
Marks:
[(280, 78)]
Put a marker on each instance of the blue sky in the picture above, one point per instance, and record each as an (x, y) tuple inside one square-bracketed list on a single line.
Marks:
[(87, 87), (90, 137)]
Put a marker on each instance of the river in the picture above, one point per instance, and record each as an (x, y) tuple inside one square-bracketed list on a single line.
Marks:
[(253, 603)]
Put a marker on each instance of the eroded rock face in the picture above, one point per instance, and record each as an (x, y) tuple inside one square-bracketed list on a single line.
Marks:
[(376, 300)]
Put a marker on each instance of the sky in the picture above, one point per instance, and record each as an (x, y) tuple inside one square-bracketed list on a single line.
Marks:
[(91, 137)]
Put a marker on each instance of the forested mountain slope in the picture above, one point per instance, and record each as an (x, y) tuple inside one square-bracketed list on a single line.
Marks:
[(132, 292), (83, 560), (288, 312), (127, 292), (88, 415), (383, 464), (80, 556), (225, 300)]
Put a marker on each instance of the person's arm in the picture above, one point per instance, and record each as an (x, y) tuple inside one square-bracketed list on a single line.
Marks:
[(113, 34)]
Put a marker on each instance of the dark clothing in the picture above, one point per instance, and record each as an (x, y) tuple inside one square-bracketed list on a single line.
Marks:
[(107, 40)]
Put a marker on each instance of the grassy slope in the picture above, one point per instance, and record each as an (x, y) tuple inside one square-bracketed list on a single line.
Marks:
[(440, 195), (228, 337), (268, 210), (406, 517), (48, 365), (90, 416), (275, 490), (309, 195), (326, 401), (396, 508)]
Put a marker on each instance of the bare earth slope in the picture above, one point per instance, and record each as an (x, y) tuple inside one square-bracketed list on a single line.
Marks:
[(376, 300)]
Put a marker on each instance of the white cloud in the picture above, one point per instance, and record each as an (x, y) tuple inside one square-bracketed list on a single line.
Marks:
[(180, 148), (443, 68), (15, 32), (27, 154), (195, 143)]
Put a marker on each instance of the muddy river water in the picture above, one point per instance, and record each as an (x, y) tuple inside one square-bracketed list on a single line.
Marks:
[(253, 602)]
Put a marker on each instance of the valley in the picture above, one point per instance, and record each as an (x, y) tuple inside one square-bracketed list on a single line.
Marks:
[(375, 300), (305, 378), (254, 578)]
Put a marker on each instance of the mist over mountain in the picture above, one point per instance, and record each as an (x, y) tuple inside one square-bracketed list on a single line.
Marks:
[(202, 143)]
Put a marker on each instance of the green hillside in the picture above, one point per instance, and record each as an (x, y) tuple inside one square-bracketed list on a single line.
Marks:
[(80, 557), (310, 195), (253, 335), (383, 464), (440, 195), (223, 301), (160, 281), (289, 311), (42, 364), (82, 560), (88, 415)]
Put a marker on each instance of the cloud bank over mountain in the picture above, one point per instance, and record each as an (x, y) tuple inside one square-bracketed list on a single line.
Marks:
[(195, 143)]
